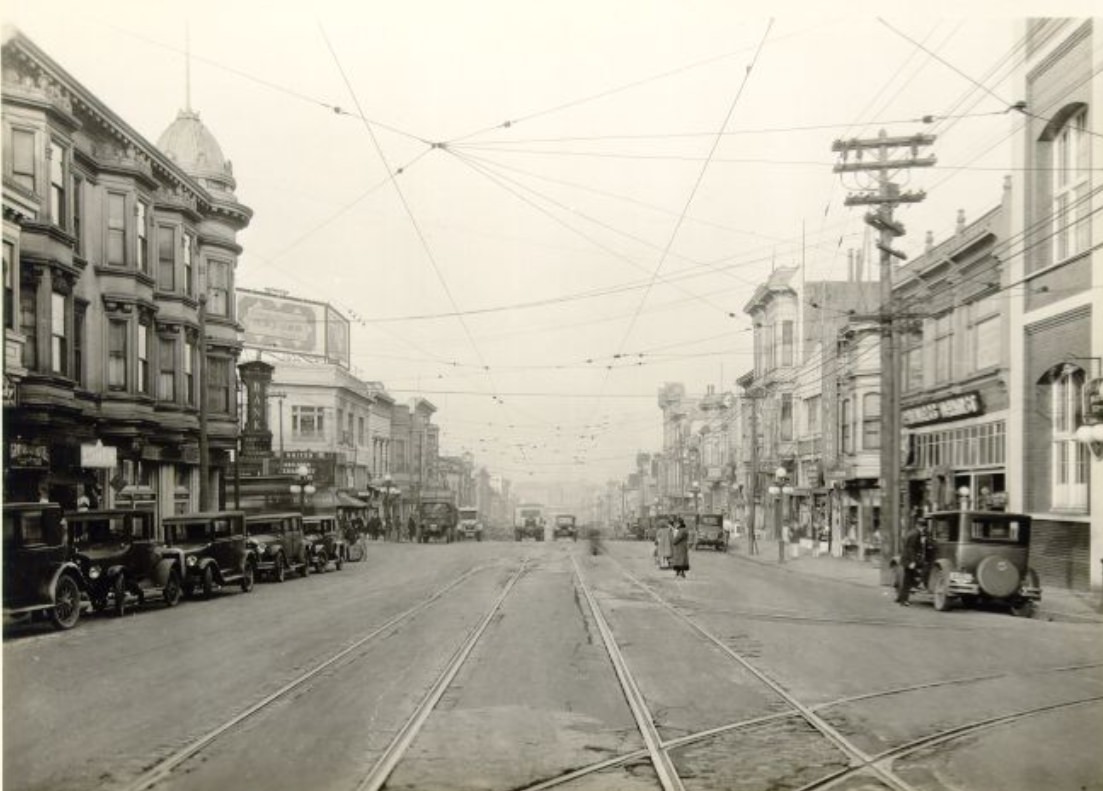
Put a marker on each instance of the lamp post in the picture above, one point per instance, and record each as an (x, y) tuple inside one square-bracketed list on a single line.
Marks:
[(780, 489), (695, 491), (303, 485)]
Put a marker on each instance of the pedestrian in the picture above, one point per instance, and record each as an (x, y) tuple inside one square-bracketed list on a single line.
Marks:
[(411, 528), (679, 548), (662, 545), (911, 558)]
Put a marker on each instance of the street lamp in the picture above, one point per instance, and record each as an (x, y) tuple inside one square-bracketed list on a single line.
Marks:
[(780, 489), (695, 490), (303, 485)]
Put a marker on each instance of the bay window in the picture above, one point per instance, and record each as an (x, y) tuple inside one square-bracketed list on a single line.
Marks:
[(218, 288), (59, 338), (871, 421), (143, 358), (116, 229), (116, 354), (166, 376), (166, 258), (23, 158), (58, 208), (143, 237)]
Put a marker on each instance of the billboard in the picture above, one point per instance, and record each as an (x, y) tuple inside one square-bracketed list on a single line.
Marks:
[(275, 322)]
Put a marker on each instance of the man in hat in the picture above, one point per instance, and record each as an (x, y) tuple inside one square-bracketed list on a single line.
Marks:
[(912, 558)]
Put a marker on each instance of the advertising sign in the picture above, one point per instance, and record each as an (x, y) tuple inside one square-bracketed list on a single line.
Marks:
[(337, 338), (282, 324), (99, 456), (953, 408)]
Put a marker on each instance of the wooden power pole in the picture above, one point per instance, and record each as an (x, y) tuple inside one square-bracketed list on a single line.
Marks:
[(885, 198)]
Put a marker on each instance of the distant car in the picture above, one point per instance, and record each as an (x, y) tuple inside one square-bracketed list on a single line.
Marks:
[(121, 557), (279, 543), (975, 557), (566, 527), (41, 576), (325, 541), (213, 550), (710, 532)]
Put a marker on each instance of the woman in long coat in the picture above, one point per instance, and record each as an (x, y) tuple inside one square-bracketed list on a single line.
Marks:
[(679, 545), (662, 545)]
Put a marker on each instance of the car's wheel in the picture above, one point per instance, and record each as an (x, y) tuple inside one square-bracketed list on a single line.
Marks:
[(248, 577), (339, 561), (940, 588), (172, 592), (66, 610), (118, 595), (1023, 609), (279, 572), (320, 562), (207, 584)]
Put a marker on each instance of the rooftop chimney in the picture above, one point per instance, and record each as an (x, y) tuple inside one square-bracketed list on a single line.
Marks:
[(960, 220), (929, 244)]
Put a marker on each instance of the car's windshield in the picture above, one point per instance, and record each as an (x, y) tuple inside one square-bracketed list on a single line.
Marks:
[(564, 520), (711, 520), (186, 532), (469, 513), (435, 511), (260, 527), (114, 529)]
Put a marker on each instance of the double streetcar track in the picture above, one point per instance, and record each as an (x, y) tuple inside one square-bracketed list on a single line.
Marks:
[(854, 762)]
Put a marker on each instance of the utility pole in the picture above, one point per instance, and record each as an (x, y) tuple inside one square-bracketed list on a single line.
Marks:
[(752, 538), (886, 197)]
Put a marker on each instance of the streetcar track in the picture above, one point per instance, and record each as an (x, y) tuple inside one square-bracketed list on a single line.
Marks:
[(385, 765), (645, 721), (163, 768)]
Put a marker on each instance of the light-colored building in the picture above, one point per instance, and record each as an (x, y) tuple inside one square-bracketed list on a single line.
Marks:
[(1055, 298)]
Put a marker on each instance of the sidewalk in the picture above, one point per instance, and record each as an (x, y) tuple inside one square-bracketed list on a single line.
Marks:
[(1058, 604)]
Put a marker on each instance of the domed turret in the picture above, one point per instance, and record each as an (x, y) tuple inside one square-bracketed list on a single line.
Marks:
[(192, 146)]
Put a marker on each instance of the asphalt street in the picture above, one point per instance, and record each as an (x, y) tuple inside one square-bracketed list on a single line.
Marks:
[(486, 666)]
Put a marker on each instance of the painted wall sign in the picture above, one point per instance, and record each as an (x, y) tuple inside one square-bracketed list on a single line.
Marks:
[(952, 408)]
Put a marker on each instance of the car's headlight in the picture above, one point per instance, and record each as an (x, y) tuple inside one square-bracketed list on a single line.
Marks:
[(192, 560), (262, 548), (94, 573)]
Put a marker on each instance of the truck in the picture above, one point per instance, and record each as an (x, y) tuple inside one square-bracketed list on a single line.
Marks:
[(566, 526), (437, 519), (469, 526), (528, 522)]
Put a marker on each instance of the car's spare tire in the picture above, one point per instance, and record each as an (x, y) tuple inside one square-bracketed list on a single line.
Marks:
[(998, 576)]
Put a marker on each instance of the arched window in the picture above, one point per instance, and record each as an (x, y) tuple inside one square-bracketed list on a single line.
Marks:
[(1069, 458), (1069, 155)]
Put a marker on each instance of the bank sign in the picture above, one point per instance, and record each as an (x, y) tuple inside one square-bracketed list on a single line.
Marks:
[(952, 408)]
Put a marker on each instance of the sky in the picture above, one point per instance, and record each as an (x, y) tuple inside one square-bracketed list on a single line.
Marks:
[(535, 214)]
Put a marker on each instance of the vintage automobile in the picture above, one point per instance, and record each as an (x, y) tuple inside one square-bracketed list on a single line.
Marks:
[(277, 539), (120, 557), (469, 525), (977, 557), (565, 526), (437, 519), (213, 550), (325, 541), (40, 574), (709, 532)]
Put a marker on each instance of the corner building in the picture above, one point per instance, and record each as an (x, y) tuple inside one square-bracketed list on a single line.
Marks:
[(109, 241)]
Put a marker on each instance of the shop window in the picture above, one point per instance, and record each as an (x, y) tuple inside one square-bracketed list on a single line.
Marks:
[(116, 354), (23, 158), (166, 258), (871, 421), (1069, 457), (58, 207), (59, 338), (116, 229)]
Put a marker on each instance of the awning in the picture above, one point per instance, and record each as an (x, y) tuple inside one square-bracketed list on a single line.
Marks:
[(345, 500)]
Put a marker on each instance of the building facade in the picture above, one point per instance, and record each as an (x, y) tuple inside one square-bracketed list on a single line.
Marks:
[(1056, 310), (119, 260)]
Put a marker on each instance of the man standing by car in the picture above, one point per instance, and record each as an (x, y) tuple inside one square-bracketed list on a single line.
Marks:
[(912, 557)]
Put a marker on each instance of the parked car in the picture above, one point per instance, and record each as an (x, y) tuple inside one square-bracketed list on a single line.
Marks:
[(120, 557), (40, 574), (710, 532), (213, 550), (325, 541), (279, 543), (975, 557)]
